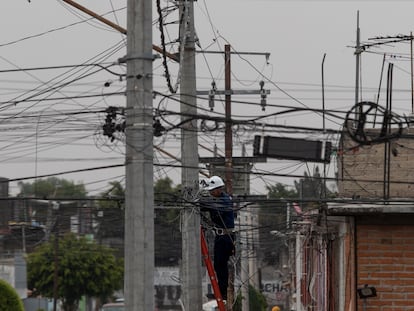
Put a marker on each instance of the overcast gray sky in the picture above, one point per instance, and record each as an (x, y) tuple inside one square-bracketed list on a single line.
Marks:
[(46, 137)]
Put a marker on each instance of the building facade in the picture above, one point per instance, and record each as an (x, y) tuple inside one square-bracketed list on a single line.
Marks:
[(374, 265)]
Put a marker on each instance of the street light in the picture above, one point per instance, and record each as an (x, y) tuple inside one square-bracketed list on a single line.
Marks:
[(366, 292)]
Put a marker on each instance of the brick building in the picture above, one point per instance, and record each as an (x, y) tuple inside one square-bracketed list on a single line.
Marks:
[(374, 227)]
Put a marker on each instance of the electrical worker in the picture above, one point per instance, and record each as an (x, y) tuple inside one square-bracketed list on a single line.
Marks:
[(220, 208)]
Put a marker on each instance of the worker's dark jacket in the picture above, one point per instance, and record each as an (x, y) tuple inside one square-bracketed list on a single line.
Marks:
[(220, 209)]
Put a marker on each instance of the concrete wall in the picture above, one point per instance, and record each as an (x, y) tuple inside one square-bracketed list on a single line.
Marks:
[(34, 304)]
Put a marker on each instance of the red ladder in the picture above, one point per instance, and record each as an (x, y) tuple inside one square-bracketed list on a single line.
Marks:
[(211, 272)]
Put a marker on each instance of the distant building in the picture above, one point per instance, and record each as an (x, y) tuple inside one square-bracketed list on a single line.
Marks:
[(13, 270)]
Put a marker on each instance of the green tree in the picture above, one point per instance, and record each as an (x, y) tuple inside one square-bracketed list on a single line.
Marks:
[(9, 299), (165, 192), (281, 191), (272, 217), (110, 216), (111, 220), (112, 197), (84, 268), (257, 301), (312, 187), (52, 187), (167, 223)]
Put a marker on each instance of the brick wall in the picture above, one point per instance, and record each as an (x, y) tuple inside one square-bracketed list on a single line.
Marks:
[(385, 259), (361, 168)]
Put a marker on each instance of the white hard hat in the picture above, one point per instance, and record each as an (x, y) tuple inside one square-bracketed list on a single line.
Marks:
[(214, 182)]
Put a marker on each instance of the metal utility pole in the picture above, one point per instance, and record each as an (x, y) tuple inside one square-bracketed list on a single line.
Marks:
[(139, 195), (358, 52), (412, 72), (191, 247), (228, 134)]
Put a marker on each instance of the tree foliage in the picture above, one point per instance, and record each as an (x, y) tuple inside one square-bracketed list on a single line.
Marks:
[(110, 216), (52, 187), (281, 191), (167, 230), (312, 187), (84, 268), (257, 301), (165, 193), (111, 220), (9, 299), (112, 197), (272, 217)]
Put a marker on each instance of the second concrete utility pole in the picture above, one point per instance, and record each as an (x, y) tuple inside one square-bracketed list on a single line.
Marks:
[(191, 248)]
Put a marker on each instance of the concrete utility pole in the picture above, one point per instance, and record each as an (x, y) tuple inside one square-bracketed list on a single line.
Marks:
[(244, 265), (191, 246), (139, 196), (244, 245), (228, 150)]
